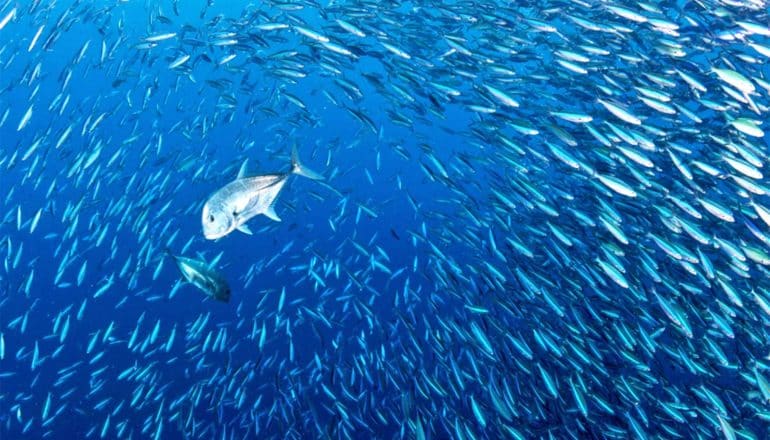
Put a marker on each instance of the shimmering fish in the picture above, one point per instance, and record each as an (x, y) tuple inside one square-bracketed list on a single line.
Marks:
[(230, 207), (204, 277)]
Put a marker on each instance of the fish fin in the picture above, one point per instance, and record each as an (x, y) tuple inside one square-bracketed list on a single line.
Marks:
[(223, 296), (242, 171), (270, 213), (245, 229), (298, 168)]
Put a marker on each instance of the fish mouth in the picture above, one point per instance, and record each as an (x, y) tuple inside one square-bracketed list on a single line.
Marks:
[(211, 236)]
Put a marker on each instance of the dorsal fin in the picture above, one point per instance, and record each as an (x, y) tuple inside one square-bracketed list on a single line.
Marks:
[(242, 171)]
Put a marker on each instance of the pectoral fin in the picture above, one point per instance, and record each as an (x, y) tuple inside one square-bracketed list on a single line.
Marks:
[(270, 213), (245, 229)]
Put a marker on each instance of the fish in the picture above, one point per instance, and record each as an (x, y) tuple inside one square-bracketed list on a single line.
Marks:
[(230, 207), (201, 275)]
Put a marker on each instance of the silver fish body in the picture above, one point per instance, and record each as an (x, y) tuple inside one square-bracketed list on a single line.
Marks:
[(202, 276), (230, 207)]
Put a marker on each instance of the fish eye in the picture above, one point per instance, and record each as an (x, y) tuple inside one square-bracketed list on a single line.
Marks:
[(211, 218)]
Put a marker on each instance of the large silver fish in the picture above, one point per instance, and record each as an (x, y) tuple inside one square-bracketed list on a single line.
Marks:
[(204, 277), (230, 207)]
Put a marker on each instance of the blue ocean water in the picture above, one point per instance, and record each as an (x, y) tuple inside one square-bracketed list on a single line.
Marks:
[(536, 220)]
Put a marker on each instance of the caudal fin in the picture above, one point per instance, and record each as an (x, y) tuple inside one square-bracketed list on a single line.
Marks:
[(299, 169)]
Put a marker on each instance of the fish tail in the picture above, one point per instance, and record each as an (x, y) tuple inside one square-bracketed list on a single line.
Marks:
[(167, 253), (298, 168)]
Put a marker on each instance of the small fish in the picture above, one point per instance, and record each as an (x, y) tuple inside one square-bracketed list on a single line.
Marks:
[(179, 61), (160, 37)]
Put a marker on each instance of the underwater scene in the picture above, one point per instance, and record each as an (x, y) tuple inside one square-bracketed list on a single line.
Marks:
[(379, 219)]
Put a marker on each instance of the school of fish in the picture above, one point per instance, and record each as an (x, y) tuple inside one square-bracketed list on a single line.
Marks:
[(527, 219)]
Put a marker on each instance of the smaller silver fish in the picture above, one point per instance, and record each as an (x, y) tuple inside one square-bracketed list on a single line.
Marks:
[(230, 207), (201, 275)]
